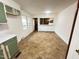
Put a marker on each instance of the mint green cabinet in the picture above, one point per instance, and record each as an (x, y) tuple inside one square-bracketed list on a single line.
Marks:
[(1, 54), (12, 46), (2, 14)]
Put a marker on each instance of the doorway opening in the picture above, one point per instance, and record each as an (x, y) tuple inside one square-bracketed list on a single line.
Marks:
[(36, 24)]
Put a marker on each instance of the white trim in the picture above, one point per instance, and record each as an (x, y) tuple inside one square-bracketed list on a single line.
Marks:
[(4, 52), (8, 51)]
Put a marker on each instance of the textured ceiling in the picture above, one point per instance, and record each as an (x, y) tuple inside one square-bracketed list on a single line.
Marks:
[(39, 6)]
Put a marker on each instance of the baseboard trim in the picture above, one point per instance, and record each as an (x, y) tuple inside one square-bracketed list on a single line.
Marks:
[(46, 31), (27, 36), (60, 37)]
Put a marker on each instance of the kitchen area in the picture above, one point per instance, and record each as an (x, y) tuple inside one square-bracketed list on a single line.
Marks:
[(8, 39), (8, 45)]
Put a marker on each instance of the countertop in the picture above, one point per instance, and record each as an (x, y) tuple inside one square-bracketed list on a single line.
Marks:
[(6, 35)]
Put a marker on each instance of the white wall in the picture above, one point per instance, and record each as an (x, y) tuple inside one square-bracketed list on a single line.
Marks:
[(30, 25), (45, 27), (75, 42), (44, 15), (15, 25), (3, 27), (64, 22)]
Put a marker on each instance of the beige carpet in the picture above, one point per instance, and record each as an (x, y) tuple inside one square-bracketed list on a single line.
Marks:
[(42, 45)]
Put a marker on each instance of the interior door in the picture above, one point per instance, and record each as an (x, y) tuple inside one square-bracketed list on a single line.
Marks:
[(74, 47)]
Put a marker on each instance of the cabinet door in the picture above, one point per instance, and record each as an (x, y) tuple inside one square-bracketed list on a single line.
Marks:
[(12, 47), (1, 54), (2, 14)]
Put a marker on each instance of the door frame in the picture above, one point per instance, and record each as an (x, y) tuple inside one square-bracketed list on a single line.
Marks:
[(72, 30), (35, 20)]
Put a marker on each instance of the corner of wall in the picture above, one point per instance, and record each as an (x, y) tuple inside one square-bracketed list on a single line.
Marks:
[(64, 39)]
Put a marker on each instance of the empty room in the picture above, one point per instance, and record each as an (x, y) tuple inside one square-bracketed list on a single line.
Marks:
[(39, 29)]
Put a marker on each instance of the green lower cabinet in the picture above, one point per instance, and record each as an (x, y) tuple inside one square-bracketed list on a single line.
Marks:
[(1, 57), (11, 46), (1, 54)]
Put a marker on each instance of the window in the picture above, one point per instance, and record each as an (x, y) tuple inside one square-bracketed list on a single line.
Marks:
[(24, 22), (44, 21)]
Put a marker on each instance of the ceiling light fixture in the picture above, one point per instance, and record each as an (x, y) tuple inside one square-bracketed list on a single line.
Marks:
[(47, 12)]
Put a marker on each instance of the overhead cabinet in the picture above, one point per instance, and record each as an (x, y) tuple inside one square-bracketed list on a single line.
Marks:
[(12, 11), (2, 14), (5, 10)]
